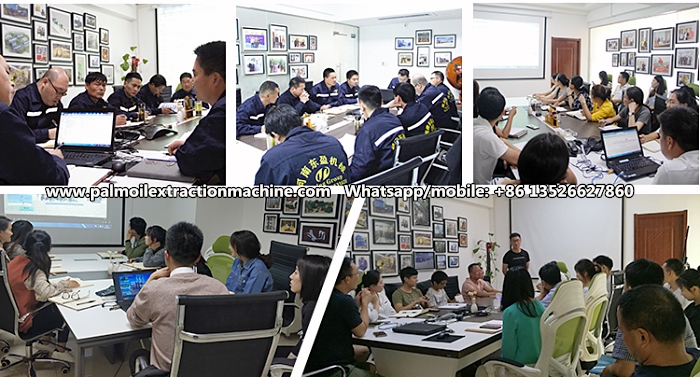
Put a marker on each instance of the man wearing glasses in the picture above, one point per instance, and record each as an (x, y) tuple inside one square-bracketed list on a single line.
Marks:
[(40, 104)]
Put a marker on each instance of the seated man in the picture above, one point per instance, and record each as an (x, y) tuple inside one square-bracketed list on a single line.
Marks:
[(415, 117), (349, 89), (250, 116), (187, 89), (150, 95), (203, 154), (374, 144), (678, 136), (437, 79), (126, 100), (407, 296), (92, 97), (550, 277), (475, 283), (327, 91), (22, 162), (402, 77), (39, 104), (544, 161), (673, 268), (488, 147), (297, 97), (137, 232), (651, 321), (444, 112), (156, 303), (303, 157)]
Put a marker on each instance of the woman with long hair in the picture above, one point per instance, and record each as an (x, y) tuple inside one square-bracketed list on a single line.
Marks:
[(5, 232), (602, 106), (634, 113), (521, 339), (250, 271), (562, 83), (683, 96), (20, 231), (380, 306), (579, 95), (552, 92), (585, 270), (604, 81)]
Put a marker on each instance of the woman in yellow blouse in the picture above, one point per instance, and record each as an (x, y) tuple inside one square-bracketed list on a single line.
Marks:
[(602, 107)]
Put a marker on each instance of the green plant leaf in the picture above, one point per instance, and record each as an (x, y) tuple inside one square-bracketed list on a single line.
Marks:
[(124, 66), (133, 48), (145, 61)]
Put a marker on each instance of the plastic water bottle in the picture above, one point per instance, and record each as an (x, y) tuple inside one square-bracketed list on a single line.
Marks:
[(497, 302)]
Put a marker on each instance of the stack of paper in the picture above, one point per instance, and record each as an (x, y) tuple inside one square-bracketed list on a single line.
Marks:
[(652, 146), (348, 143), (79, 304), (576, 114), (455, 306)]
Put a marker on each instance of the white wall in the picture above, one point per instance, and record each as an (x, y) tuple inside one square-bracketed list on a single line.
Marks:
[(379, 59), (337, 47)]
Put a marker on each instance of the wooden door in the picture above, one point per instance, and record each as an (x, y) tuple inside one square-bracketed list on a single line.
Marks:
[(660, 236), (566, 56)]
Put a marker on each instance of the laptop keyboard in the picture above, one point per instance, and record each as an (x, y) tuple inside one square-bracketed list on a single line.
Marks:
[(633, 165), (84, 158)]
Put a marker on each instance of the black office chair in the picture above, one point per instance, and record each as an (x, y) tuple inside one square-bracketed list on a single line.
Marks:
[(427, 147), (117, 88), (618, 282), (238, 97), (405, 174), (166, 93), (452, 287), (284, 262), (424, 286), (438, 172), (9, 321)]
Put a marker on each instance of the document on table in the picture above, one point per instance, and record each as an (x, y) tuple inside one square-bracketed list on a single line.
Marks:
[(409, 313), (114, 255), (348, 143), (517, 132), (576, 114), (610, 127), (81, 303), (455, 306), (156, 155), (170, 105), (82, 283), (652, 146)]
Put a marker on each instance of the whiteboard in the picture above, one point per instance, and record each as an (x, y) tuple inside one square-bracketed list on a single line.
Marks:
[(567, 230)]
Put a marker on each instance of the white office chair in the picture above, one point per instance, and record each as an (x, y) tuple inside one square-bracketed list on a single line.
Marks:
[(562, 327), (596, 301)]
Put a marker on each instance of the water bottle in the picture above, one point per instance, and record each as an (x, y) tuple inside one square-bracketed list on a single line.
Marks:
[(474, 308), (497, 302)]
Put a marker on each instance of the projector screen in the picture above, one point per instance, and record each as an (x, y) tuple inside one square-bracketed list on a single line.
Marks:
[(568, 230), (509, 46), (69, 221)]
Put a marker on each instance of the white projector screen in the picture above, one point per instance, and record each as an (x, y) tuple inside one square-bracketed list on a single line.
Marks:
[(568, 230), (508, 46), (70, 222)]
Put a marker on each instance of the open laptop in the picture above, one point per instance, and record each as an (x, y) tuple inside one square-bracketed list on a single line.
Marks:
[(86, 137), (387, 95), (127, 285), (624, 154)]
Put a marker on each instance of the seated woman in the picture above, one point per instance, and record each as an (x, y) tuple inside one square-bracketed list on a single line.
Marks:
[(249, 273), (20, 231), (521, 340), (657, 95), (29, 280), (604, 81), (602, 106), (379, 306), (585, 270), (5, 232), (544, 161), (579, 95), (552, 92), (634, 112), (155, 253), (562, 93), (683, 96)]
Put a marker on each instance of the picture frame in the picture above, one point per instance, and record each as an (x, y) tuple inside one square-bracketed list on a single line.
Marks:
[(320, 208), (362, 220), (60, 23), (80, 69), (661, 64), (277, 65), (630, 59), (291, 206), (309, 57), (644, 39), (403, 206), (440, 262), (403, 43), (78, 42), (104, 54), (21, 73), (462, 224), (68, 69), (294, 57), (386, 262), (39, 71), (405, 260), (687, 57), (93, 61), (273, 204), (271, 222), (423, 260), (301, 70), (405, 59), (254, 39), (383, 232), (404, 242), (615, 60), (41, 53), (687, 32), (453, 261), (363, 261), (630, 72), (450, 228), (317, 234), (104, 36), (404, 223), (92, 41), (662, 39), (684, 78), (238, 55), (628, 39), (623, 59), (298, 42), (612, 45), (278, 37), (16, 41), (40, 31), (422, 239), (421, 212), (60, 51), (253, 65), (15, 12), (90, 21), (641, 65), (445, 41), (442, 59), (382, 207), (108, 71), (78, 22), (360, 241), (423, 56), (39, 11), (440, 246), (438, 213), (453, 246), (438, 229), (289, 225), (424, 37), (463, 240), (237, 31), (313, 42)]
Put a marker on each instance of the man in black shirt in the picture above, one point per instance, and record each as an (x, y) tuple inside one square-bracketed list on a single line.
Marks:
[(515, 256)]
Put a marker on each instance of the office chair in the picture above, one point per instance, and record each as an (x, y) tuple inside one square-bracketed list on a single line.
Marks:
[(452, 288), (423, 286), (632, 81), (390, 288), (427, 147), (221, 245), (696, 370), (284, 262), (220, 266), (10, 320), (610, 77), (617, 290), (405, 174), (562, 327), (167, 93), (592, 347)]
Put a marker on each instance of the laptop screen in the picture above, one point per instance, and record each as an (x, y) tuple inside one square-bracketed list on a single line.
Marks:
[(128, 284), (86, 129), (621, 143)]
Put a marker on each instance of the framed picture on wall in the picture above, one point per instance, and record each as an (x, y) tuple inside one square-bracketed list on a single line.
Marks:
[(79, 68), (438, 213), (38, 72), (326, 208), (422, 239), (386, 262), (238, 54), (41, 54), (687, 57), (363, 261), (17, 41), (662, 39), (405, 59), (403, 43), (61, 51), (289, 225), (360, 241), (93, 61), (382, 207), (60, 23), (254, 39), (92, 41), (440, 246), (421, 213), (78, 22), (404, 242), (277, 65), (270, 222), (641, 65), (643, 45), (317, 235), (423, 56), (463, 240), (445, 41), (253, 64), (309, 57), (452, 247), (299, 70), (424, 37), (630, 59), (684, 78), (628, 39), (313, 42), (362, 220), (404, 223), (661, 64), (687, 32), (612, 44), (384, 232), (615, 60), (630, 72), (294, 57), (403, 206), (40, 33), (453, 262), (78, 42), (104, 54), (273, 204), (108, 70), (442, 59), (441, 262), (90, 21), (623, 59), (20, 74), (298, 42), (278, 37), (39, 11), (291, 206), (405, 260), (15, 12), (424, 260), (104, 36), (438, 229), (450, 228), (462, 224)]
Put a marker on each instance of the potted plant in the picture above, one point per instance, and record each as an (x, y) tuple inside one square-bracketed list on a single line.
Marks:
[(130, 63), (488, 256)]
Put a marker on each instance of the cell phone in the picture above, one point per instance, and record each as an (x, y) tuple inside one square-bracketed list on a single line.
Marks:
[(533, 127), (379, 334)]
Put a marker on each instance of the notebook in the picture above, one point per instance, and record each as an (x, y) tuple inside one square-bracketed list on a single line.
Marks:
[(624, 154), (161, 170), (127, 285), (419, 328), (86, 137)]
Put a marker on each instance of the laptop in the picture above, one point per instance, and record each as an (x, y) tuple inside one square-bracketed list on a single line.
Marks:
[(387, 95), (624, 154), (127, 285), (419, 328), (86, 137)]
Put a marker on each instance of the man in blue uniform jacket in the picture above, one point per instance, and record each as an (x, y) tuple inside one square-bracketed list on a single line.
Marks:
[(304, 157), (349, 89), (403, 77), (437, 79), (187, 89), (415, 117), (22, 162), (297, 97), (92, 97), (150, 95), (444, 113), (250, 116), (39, 104), (126, 100), (374, 144), (203, 155), (327, 91)]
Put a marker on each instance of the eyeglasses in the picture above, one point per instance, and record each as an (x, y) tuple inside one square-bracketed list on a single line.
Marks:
[(71, 295), (62, 94)]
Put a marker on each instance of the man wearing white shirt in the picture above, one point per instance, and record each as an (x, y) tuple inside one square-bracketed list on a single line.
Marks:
[(620, 89), (678, 136), (488, 147)]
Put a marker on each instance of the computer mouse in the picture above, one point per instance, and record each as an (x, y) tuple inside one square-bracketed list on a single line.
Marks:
[(118, 166), (443, 335)]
